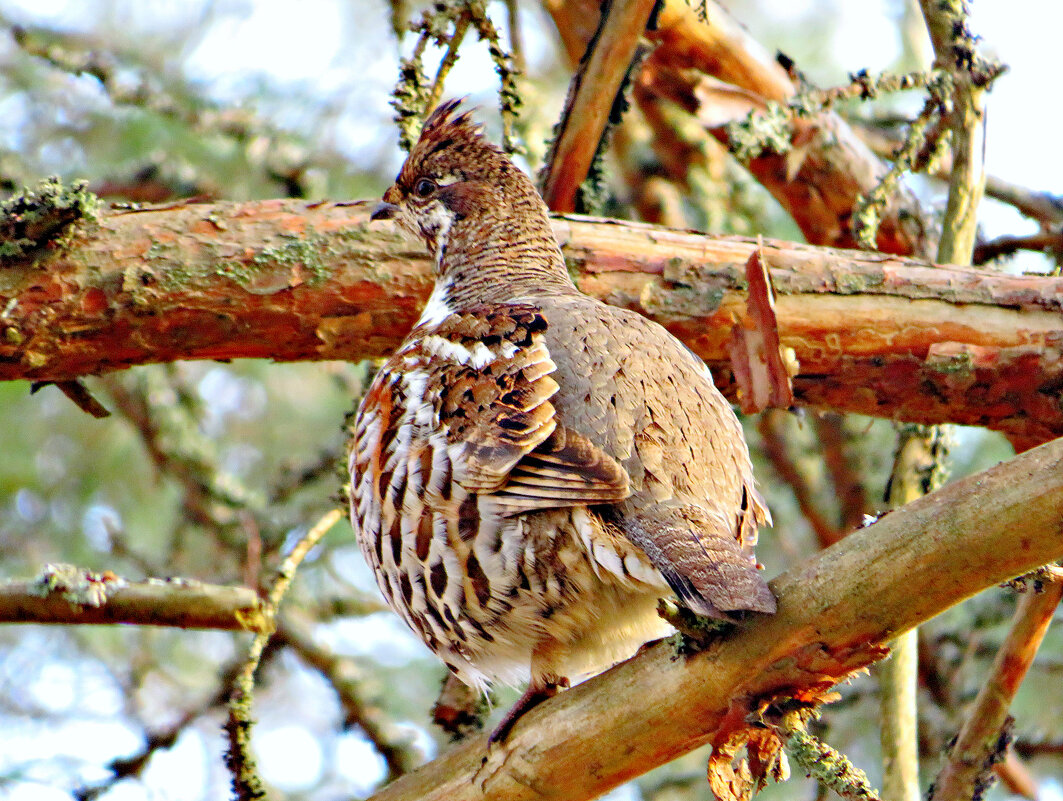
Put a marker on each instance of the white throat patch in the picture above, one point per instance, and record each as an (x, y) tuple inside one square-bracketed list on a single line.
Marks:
[(436, 309)]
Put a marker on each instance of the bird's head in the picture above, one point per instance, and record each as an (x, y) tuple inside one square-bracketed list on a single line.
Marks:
[(456, 184)]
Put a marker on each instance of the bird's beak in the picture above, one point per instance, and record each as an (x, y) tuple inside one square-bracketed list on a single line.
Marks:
[(387, 208), (384, 211)]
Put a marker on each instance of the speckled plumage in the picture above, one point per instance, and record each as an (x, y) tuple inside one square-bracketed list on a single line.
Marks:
[(533, 469)]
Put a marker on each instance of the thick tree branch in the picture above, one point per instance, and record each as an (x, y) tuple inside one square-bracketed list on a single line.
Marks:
[(292, 281), (836, 611), (67, 595)]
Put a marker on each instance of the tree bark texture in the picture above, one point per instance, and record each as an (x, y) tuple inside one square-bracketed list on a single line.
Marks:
[(836, 613), (827, 167), (291, 280)]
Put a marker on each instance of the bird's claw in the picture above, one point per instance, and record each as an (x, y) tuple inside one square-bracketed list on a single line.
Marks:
[(494, 760)]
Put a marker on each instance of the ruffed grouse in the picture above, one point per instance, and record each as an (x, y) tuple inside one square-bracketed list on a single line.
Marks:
[(534, 469)]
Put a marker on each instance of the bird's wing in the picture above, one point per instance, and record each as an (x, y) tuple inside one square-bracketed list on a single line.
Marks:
[(469, 402), (648, 401)]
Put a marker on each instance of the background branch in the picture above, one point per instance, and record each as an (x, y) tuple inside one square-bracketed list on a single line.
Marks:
[(67, 595), (592, 98), (984, 736)]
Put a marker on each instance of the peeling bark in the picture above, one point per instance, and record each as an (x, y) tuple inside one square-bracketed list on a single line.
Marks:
[(292, 281)]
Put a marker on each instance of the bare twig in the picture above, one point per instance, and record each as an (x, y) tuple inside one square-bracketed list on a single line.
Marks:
[(445, 24), (1016, 776), (868, 210), (78, 394), (831, 768), (245, 780), (162, 739), (1044, 207), (1043, 241), (956, 53), (64, 594), (461, 25)]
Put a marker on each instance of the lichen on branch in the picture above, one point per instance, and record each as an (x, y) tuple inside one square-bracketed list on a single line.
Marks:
[(39, 218)]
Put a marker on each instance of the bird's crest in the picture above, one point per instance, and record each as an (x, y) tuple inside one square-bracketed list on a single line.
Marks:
[(446, 121), (450, 136)]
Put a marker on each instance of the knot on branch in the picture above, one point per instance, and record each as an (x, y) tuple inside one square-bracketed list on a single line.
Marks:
[(39, 218)]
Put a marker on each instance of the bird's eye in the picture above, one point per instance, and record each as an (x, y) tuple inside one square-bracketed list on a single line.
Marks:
[(424, 187)]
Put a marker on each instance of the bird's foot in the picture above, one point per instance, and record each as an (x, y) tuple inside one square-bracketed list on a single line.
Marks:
[(498, 750), (494, 760)]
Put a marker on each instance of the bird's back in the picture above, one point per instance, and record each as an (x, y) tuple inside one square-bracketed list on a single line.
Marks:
[(638, 393)]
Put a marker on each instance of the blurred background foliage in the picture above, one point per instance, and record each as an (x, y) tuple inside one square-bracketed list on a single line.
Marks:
[(209, 471)]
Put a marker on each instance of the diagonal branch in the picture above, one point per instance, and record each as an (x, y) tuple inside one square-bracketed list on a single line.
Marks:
[(591, 99), (836, 611), (971, 757)]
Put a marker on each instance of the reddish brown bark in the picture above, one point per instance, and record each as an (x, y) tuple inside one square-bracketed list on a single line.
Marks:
[(709, 65), (294, 281)]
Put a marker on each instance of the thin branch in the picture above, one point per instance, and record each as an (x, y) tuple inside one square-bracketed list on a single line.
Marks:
[(965, 772), (591, 99), (1034, 748), (67, 595), (831, 768), (1043, 241), (450, 57), (898, 679), (288, 280), (1016, 776), (133, 765), (919, 467), (1044, 207), (245, 779), (955, 52)]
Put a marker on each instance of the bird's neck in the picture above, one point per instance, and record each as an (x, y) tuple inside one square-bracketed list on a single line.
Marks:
[(498, 261)]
